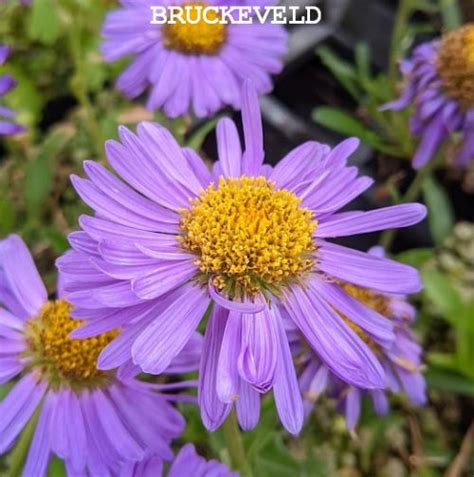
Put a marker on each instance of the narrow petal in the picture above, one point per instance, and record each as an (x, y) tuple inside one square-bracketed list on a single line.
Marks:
[(352, 223), (288, 400), (334, 342), (227, 382), (18, 407), (21, 277), (213, 410), (367, 271), (257, 360), (252, 159), (248, 406), (166, 336), (352, 408), (229, 149)]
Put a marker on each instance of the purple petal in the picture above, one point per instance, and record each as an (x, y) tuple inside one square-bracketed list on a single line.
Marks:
[(227, 380), (258, 356), (213, 410), (18, 407), (166, 336), (229, 149), (334, 342), (240, 307), (286, 391), (367, 271), (248, 406), (26, 291)]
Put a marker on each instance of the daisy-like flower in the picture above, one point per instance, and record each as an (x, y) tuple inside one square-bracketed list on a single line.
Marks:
[(7, 83), (176, 242), (186, 460), (440, 84), (90, 418), (401, 359), (200, 66)]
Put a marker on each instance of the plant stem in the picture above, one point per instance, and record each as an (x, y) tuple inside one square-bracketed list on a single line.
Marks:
[(79, 87), (399, 28), (235, 446), (451, 14), (388, 236), (18, 455)]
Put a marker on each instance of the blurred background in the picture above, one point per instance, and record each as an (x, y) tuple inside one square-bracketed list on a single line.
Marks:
[(336, 77)]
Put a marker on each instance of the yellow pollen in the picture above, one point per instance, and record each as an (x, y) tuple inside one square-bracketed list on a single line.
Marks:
[(249, 236), (201, 37), (59, 358), (376, 301), (455, 64)]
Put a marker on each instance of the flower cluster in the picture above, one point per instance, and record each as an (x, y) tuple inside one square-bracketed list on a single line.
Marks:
[(440, 85), (7, 83), (242, 251)]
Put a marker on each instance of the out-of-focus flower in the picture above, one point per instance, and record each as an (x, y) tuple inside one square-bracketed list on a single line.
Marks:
[(401, 359), (176, 242), (440, 85), (92, 419), (186, 463), (200, 66), (7, 83)]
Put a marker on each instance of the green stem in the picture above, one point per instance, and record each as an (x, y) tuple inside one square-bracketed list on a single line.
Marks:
[(399, 29), (451, 13), (79, 87), (18, 455), (388, 236), (235, 445)]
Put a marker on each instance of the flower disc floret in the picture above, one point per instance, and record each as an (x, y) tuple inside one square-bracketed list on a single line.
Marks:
[(249, 236), (455, 64), (205, 36), (60, 358)]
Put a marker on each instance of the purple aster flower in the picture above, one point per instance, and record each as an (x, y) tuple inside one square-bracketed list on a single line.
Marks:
[(172, 242), (401, 358), (440, 84), (92, 419), (198, 66), (186, 459), (7, 83)]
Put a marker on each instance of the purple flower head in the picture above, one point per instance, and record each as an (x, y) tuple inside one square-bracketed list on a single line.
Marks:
[(92, 419), (191, 66), (440, 85), (186, 460), (7, 83), (400, 358), (172, 242)]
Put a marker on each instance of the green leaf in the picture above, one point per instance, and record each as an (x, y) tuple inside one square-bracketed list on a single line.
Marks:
[(438, 379), (56, 468), (345, 124), (439, 290), (416, 257), (440, 211), (44, 24), (465, 340), (39, 174), (7, 216), (198, 137), (344, 72)]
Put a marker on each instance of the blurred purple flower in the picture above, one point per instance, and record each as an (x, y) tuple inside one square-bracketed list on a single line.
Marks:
[(169, 245), (7, 83), (186, 463), (401, 358), (200, 67), (93, 420), (440, 85)]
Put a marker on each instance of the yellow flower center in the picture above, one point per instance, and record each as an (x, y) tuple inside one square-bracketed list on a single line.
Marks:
[(248, 236), (59, 358), (455, 64), (199, 33), (376, 301)]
